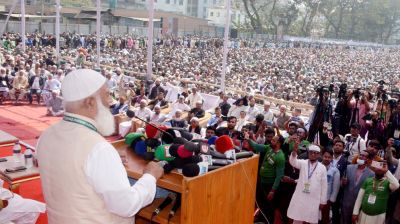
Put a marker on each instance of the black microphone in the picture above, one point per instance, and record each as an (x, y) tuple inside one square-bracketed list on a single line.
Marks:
[(192, 169), (164, 204), (175, 207)]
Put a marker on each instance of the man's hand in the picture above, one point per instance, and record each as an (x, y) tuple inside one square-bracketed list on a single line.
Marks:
[(354, 219), (270, 196), (154, 169), (246, 135)]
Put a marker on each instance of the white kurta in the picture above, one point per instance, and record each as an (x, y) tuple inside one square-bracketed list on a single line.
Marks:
[(19, 210), (108, 176), (305, 206)]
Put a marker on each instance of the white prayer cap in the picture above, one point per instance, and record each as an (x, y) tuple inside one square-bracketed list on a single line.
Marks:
[(80, 84), (314, 148)]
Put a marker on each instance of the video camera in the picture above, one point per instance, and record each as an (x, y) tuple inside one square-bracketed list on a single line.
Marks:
[(342, 91), (357, 93)]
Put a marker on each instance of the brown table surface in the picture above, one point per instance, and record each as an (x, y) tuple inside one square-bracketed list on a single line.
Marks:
[(6, 138), (18, 176)]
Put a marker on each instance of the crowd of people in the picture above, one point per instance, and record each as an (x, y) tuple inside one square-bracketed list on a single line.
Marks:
[(339, 165)]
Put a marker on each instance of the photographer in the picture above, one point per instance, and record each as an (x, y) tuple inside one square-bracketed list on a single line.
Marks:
[(322, 114), (354, 142), (360, 106)]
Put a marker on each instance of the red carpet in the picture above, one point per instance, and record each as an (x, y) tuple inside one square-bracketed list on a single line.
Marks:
[(27, 122)]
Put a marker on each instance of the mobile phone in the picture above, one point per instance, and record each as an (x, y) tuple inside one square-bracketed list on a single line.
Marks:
[(16, 169), (3, 159), (377, 164)]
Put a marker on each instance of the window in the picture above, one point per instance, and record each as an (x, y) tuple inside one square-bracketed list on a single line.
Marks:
[(180, 2), (205, 1), (174, 2), (211, 14), (218, 14)]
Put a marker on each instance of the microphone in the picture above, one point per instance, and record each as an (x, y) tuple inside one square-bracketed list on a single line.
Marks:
[(219, 162), (132, 114), (164, 204), (175, 207), (193, 169)]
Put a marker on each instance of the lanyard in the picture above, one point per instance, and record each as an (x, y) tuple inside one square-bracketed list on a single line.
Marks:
[(311, 173), (374, 187), (80, 121)]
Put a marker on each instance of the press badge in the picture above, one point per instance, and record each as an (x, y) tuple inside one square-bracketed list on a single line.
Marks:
[(371, 199), (306, 188), (396, 133)]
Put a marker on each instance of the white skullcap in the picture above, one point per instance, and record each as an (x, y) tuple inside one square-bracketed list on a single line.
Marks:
[(80, 84), (194, 119), (314, 148)]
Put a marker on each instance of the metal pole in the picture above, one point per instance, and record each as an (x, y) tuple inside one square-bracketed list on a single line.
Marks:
[(58, 8), (150, 41), (23, 24), (8, 16), (226, 39), (98, 22)]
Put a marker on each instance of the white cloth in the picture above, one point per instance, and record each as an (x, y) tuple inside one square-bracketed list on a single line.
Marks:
[(179, 106), (124, 128), (367, 219), (354, 147), (305, 206), (235, 110), (107, 175), (19, 210)]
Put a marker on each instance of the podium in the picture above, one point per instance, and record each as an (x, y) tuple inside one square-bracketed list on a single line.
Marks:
[(226, 195)]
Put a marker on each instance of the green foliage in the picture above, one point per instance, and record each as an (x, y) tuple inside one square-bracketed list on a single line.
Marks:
[(365, 20)]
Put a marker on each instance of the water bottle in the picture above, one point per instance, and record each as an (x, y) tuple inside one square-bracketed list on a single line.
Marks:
[(17, 152), (28, 158)]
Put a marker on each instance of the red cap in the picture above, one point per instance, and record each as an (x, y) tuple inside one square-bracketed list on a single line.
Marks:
[(151, 132), (184, 153), (223, 144)]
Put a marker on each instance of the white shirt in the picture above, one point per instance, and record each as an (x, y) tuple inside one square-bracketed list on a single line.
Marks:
[(354, 148), (252, 113), (106, 173), (158, 118), (268, 115), (193, 99), (36, 84), (143, 113), (111, 84), (19, 210), (53, 84)]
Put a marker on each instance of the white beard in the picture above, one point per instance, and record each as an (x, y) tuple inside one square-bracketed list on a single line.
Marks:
[(104, 119)]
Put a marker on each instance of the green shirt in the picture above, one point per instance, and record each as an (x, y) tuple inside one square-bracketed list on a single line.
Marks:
[(273, 166), (381, 192)]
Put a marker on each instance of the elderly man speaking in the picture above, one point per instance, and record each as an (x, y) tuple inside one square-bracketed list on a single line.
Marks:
[(83, 178)]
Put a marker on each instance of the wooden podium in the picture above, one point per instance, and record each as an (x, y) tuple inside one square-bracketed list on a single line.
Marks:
[(226, 195)]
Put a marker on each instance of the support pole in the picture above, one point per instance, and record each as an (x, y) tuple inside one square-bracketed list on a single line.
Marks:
[(226, 39), (58, 8), (150, 41), (23, 32), (98, 23)]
